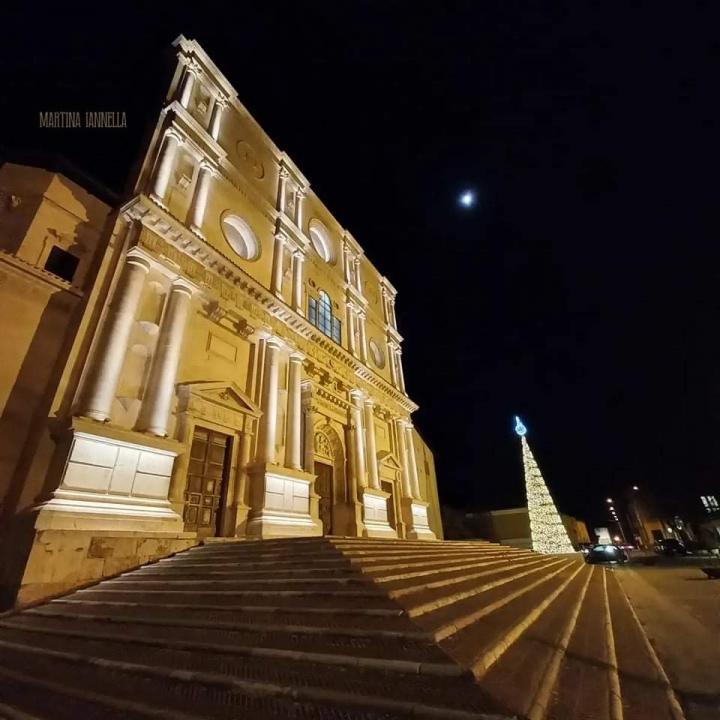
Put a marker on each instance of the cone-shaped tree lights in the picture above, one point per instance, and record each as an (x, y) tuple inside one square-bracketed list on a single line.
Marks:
[(546, 528)]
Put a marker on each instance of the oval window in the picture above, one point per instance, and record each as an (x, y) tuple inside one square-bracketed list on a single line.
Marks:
[(376, 354), (320, 240), (240, 237)]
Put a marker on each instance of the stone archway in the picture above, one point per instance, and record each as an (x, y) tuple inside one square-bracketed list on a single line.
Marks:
[(329, 456)]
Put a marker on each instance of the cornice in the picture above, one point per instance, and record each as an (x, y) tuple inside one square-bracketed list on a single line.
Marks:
[(214, 272)]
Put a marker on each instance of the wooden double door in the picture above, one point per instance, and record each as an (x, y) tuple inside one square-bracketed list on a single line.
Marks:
[(207, 480)]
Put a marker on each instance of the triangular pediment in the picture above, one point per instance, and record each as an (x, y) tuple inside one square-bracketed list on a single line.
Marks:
[(226, 394), (389, 460)]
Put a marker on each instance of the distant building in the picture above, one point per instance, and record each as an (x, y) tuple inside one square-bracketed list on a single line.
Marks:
[(512, 527)]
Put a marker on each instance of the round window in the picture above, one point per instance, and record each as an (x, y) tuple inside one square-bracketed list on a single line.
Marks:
[(377, 354), (240, 237)]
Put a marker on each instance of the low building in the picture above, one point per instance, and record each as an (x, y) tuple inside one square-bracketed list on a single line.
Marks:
[(220, 359), (512, 527)]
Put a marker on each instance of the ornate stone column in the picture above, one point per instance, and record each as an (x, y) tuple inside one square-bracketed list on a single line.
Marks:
[(393, 317), (268, 422), (351, 328), (404, 461), (113, 342), (216, 118), (393, 365), (356, 426), (297, 274), (277, 268), (309, 427), (386, 311), (371, 445), (412, 461), (358, 282), (155, 410), (165, 165), (347, 261), (242, 474), (188, 83), (400, 374), (363, 337), (283, 176), (299, 197), (293, 442), (200, 196)]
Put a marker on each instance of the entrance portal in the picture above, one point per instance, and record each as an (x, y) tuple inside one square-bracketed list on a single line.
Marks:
[(206, 481), (324, 488)]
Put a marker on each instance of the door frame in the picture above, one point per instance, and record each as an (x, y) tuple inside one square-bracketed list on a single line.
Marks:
[(221, 407)]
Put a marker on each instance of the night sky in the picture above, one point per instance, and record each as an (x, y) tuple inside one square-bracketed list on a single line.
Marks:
[(581, 292)]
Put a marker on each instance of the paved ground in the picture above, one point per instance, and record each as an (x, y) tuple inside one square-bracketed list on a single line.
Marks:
[(680, 611)]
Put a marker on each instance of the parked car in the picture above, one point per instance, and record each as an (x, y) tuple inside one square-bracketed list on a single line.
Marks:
[(670, 546), (584, 548), (606, 554)]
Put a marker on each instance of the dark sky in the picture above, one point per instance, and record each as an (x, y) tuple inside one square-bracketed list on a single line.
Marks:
[(580, 293)]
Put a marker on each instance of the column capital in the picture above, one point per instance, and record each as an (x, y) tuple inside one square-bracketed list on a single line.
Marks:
[(296, 356), (221, 101), (356, 395), (369, 402), (175, 134), (208, 165), (137, 258), (284, 174), (191, 65), (180, 284), (300, 193), (270, 339)]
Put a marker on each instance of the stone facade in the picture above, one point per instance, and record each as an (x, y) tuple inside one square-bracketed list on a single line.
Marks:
[(233, 368)]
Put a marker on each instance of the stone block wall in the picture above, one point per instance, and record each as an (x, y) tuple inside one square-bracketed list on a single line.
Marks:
[(61, 560)]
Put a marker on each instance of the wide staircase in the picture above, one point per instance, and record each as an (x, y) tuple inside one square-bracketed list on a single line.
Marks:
[(337, 628)]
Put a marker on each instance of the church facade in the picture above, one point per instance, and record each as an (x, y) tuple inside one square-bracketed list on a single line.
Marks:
[(229, 362)]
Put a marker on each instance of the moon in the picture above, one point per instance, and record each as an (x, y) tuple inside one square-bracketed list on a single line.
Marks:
[(467, 198)]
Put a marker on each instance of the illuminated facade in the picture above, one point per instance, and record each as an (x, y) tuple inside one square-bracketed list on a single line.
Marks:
[(235, 369)]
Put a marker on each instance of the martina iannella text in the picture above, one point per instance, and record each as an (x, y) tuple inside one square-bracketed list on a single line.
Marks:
[(88, 119)]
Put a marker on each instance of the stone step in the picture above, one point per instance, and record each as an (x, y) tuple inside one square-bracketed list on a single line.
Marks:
[(242, 584), (442, 609), (453, 615), (366, 558), (643, 686), (370, 598), (353, 610), (454, 576), (24, 696), (244, 688), (399, 571), (202, 571), (422, 598), (582, 685), (345, 620), (522, 673), (413, 648), (266, 624), (390, 654), (488, 630), (250, 564)]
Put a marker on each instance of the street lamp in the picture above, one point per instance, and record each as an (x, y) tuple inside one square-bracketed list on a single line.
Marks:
[(609, 500), (635, 487)]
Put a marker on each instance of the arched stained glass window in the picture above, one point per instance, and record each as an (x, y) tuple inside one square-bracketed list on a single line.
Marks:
[(320, 315)]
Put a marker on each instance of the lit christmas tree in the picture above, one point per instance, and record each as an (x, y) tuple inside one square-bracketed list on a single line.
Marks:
[(546, 527)]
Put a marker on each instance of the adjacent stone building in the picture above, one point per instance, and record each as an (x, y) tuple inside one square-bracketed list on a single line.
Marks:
[(216, 357)]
